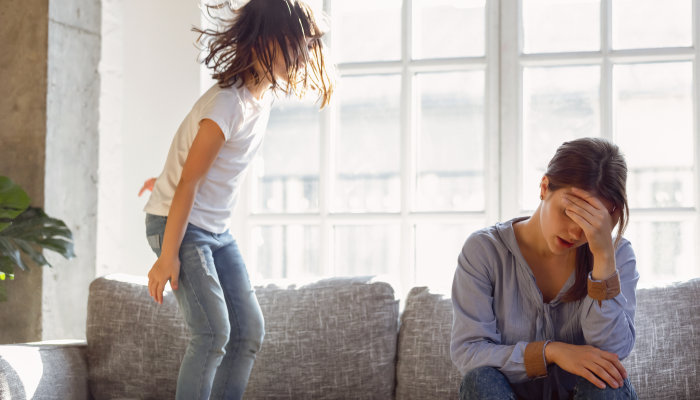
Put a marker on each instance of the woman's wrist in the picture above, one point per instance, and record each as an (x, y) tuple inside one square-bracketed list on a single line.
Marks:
[(603, 266)]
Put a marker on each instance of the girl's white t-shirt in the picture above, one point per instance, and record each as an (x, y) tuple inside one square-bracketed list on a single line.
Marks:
[(243, 120)]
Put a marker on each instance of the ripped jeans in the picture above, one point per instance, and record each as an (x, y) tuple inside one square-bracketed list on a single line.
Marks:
[(220, 309)]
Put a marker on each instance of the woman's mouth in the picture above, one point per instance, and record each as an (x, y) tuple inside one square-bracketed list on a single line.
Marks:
[(563, 243)]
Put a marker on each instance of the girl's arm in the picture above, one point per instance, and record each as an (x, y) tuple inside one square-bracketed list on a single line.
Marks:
[(476, 341), (201, 156)]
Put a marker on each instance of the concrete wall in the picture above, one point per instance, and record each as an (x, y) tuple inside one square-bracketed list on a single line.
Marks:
[(48, 142), (72, 115), (23, 86)]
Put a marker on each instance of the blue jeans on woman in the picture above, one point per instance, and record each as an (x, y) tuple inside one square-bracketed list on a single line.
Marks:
[(486, 383), (220, 309)]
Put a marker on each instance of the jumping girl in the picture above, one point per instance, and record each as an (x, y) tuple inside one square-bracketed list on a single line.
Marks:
[(269, 46), (544, 305)]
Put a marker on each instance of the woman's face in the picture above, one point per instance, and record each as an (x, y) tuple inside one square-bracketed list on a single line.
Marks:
[(561, 232)]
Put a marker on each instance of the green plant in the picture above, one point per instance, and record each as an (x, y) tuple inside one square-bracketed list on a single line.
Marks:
[(25, 231)]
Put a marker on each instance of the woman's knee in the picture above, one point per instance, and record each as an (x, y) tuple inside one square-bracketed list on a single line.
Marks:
[(485, 383), (585, 390)]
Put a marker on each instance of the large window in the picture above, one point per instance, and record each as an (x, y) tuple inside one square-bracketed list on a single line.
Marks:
[(446, 115), (621, 69)]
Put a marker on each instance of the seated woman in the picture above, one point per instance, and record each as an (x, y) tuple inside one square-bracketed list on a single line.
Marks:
[(544, 305)]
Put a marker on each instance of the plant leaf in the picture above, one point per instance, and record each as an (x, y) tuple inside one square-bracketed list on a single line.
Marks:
[(60, 246), (9, 250), (27, 249), (34, 228), (6, 265), (13, 199)]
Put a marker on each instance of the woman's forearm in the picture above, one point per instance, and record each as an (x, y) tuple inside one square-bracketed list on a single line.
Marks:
[(178, 215)]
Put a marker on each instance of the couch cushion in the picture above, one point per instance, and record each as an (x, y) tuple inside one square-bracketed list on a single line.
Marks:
[(334, 338), (665, 362), (44, 370), (424, 369), (135, 346)]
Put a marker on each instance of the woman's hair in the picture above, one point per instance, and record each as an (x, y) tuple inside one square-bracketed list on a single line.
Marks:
[(596, 166), (259, 30)]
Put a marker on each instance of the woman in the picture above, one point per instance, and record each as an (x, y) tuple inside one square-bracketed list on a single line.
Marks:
[(544, 305)]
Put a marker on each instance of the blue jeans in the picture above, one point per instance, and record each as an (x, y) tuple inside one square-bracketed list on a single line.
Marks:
[(220, 309), (486, 383)]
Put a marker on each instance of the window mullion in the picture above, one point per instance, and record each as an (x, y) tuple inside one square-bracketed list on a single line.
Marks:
[(492, 132), (406, 258), (696, 127), (328, 118), (510, 104), (606, 102)]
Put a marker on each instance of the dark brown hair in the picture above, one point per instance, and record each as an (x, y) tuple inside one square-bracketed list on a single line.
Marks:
[(597, 166), (260, 29)]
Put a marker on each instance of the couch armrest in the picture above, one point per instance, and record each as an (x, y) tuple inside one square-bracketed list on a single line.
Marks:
[(44, 370)]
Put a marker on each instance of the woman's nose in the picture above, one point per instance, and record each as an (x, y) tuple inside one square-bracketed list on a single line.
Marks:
[(576, 232)]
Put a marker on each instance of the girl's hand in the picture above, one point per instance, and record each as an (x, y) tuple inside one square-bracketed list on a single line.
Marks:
[(587, 362), (165, 268), (597, 223), (148, 185)]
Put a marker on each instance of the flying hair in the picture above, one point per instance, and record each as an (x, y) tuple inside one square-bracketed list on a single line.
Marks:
[(259, 30)]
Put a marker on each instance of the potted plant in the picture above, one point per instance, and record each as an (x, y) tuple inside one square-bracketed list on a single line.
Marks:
[(25, 231)]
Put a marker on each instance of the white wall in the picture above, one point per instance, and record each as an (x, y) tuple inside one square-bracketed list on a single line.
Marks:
[(153, 44)]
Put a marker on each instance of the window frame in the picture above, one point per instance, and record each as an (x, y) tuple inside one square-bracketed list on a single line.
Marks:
[(503, 63), (325, 219), (513, 62)]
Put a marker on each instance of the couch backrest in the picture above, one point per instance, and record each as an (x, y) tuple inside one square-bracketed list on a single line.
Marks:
[(665, 363), (335, 338), (424, 369)]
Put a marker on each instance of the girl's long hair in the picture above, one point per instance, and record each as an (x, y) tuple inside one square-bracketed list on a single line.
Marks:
[(597, 166), (259, 30)]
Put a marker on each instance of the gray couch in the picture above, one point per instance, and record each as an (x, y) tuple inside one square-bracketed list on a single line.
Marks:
[(332, 339)]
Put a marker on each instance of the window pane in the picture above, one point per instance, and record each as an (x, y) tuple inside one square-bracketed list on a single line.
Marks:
[(652, 23), (367, 30), (654, 128), (288, 165), (665, 250), (367, 250), (448, 28), (286, 251), (368, 147), (437, 249), (561, 25), (450, 173), (560, 104)]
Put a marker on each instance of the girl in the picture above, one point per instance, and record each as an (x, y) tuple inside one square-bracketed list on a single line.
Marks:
[(551, 296), (268, 45)]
